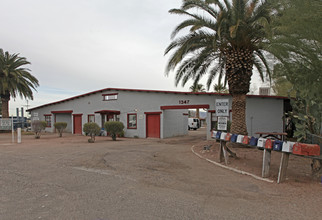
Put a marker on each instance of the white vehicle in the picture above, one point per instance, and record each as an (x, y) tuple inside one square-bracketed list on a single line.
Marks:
[(193, 123)]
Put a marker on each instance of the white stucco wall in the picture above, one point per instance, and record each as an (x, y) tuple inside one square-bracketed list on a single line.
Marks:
[(65, 118), (173, 123)]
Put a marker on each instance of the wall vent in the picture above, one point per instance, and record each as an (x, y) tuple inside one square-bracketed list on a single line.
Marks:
[(264, 90)]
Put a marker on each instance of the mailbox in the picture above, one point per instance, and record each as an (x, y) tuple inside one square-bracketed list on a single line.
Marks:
[(246, 140), (253, 141), (213, 134), (223, 135), (269, 144), (288, 146), (306, 149), (228, 136), (240, 139), (218, 134), (233, 138), (261, 142), (277, 146)]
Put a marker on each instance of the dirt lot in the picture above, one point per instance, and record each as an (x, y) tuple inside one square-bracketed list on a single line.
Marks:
[(69, 178), (250, 160)]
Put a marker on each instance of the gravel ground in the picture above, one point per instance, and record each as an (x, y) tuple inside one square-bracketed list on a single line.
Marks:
[(69, 178)]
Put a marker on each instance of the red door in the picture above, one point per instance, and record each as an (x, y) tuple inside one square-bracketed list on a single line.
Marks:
[(77, 124), (153, 125)]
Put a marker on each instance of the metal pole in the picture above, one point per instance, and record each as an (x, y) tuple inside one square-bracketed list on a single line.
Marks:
[(18, 135), (22, 118), (12, 131)]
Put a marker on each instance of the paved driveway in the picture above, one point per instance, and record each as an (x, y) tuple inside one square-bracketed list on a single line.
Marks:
[(68, 178)]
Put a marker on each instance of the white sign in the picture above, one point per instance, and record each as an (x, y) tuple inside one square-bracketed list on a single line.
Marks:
[(5, 124), (222, 107), (222, 123)]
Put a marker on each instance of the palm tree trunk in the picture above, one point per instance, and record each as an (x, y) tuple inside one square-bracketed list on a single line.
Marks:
[(5, 105), (197, 113), (238, 125)]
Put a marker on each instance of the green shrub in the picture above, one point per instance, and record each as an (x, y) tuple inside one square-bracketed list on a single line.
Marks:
[(91, 129), (60, 127), (114, 128), (37, 127)]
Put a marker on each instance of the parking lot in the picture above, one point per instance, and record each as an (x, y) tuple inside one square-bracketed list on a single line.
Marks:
[(69, 178)]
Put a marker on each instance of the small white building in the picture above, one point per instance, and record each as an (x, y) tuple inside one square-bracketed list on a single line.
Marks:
[(154, 113)]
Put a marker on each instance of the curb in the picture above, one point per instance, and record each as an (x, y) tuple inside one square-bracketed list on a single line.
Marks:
[(232, 169)]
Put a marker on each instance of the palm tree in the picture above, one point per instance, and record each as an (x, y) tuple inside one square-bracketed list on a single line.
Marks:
[(220, 88), (15, 79), (226, 40), (197, 88)]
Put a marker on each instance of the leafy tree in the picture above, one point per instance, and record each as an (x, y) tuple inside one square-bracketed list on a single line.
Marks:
[(281, 85), (60, 126), (114, 128), (226, 39), (92, 129), (15, 79), (37, 126), (299, 44)]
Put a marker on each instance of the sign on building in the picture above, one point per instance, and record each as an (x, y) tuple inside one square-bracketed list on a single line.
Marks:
[(222, 123), (222, 107)]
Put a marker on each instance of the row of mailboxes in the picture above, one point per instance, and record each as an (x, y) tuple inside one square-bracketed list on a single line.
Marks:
[(277, 145)]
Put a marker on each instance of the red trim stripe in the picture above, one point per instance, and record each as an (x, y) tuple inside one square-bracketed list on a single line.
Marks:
[(107, 94), (108, 112), (153, 113)]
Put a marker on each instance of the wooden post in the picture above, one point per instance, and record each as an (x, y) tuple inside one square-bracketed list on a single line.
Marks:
[(223, 153), (283, 167), (266, 163)]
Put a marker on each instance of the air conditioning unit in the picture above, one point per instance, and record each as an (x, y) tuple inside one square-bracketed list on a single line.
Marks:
[(264, 90)]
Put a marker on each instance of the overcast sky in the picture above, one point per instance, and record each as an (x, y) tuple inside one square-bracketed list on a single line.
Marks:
[(78, 46)]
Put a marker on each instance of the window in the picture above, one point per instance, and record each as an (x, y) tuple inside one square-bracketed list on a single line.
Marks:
[(91, 118), (48, 120), (131, 121), (109, 97)]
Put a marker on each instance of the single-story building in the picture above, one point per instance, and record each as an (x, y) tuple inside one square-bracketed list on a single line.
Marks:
[(155, 113)]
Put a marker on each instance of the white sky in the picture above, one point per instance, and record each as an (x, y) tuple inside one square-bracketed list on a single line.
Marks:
[(78, 46)]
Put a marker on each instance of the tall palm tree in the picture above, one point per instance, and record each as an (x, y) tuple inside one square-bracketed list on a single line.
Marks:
[(225, 40), (15, 79)]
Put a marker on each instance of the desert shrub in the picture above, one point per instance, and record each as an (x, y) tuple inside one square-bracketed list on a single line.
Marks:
[(37, 127), (114, 128), (91, 129), (60, 127), (121, 134)]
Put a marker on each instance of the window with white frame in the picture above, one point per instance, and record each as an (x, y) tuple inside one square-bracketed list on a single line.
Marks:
[(109, 97)]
